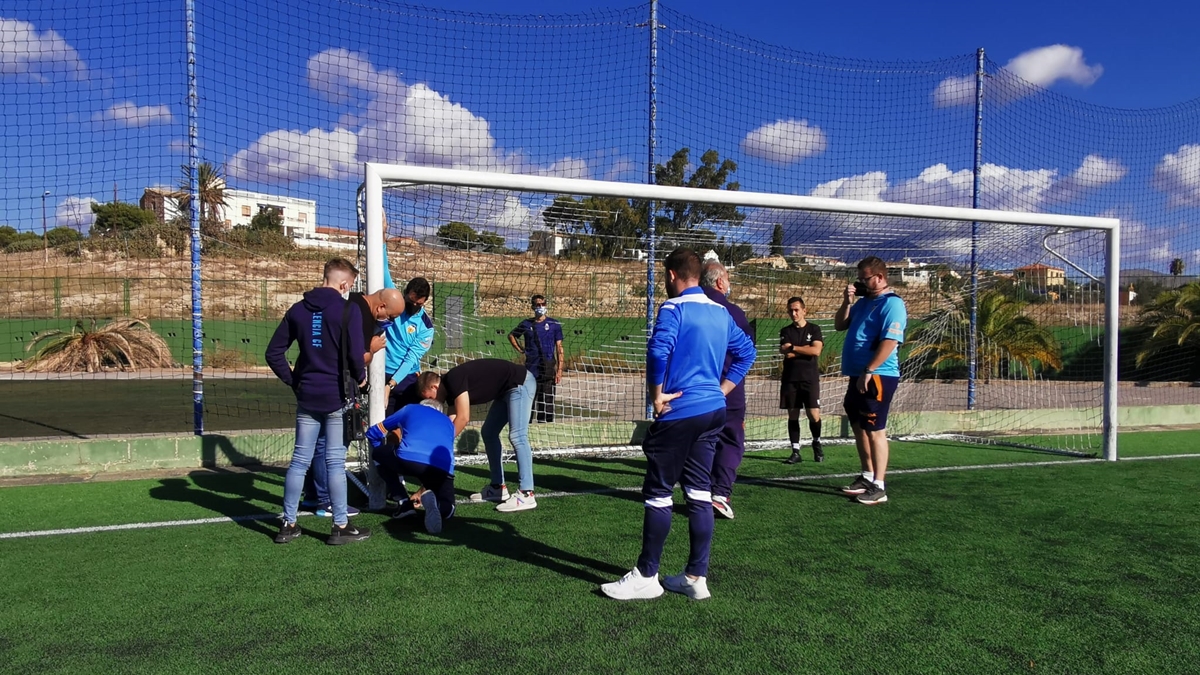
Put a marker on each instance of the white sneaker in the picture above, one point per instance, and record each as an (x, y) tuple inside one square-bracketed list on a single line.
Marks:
[(633, 586), (722, 506), (491, 493), (519, 501), (433, 516), (696, 589)]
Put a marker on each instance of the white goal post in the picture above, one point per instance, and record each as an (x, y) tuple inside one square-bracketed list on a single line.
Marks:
[(379, 177)]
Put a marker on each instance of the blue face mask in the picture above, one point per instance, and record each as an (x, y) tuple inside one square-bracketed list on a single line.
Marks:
[(539, 311), (728, 288)]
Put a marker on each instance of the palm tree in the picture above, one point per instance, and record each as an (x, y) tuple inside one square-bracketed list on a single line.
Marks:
[(127, 344), (1004, 334), (1174, 317), (211, 185), (1177, 267)]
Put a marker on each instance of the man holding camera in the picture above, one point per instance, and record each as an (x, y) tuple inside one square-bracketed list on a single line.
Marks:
[(876, 324)]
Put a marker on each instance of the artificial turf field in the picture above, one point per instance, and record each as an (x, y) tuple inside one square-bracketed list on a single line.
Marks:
[(1059, 567)]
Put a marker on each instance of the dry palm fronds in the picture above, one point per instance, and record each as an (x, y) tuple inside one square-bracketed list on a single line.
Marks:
[(125, 344)]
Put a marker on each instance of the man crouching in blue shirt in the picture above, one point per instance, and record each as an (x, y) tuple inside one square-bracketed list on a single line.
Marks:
[(425, 453), (684, 359)]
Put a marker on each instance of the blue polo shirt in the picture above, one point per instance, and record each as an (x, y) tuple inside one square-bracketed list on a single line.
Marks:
[(872, 320), (540, 339), (426, 436)]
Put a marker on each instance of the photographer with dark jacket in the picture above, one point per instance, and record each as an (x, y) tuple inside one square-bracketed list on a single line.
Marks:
[(318, 324)]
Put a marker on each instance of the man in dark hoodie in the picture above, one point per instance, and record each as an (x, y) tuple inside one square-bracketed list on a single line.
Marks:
[(731, 444), (316, 323)]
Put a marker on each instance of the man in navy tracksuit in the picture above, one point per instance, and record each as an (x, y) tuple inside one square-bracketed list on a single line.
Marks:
[(684, 359), (316, 325), (731, 444)]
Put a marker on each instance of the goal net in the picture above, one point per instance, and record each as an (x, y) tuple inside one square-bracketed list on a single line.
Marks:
[(1005, 340)]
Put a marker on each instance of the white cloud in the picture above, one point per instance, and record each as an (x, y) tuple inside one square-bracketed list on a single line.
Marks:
[(621, 168), (391, 122), (1040, 67), (1095, 172), (75, 212), (24, 51), (869, 187), (1178, 175), (567, 167), (1046, 65), (178, 146), (785, 141), (128, 114), (339, 74), (1000, 187), (295, 155), (954, 91)]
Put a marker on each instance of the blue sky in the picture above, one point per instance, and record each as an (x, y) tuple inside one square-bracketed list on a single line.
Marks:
[(295, 95)]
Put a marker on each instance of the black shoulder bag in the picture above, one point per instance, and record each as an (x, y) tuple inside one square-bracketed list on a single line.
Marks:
[(354, 419)]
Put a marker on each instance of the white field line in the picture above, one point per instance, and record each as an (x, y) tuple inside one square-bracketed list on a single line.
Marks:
[(551, 495)]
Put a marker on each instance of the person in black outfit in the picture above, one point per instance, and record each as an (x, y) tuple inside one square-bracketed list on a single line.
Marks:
[(800, 387), (509, 388)]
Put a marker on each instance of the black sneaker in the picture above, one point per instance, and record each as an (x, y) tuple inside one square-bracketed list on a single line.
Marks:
[(433, 516), (794, 458), (347, 534), (287, 533), (405, 509), (818, 453), (873, 495), (858, 487)]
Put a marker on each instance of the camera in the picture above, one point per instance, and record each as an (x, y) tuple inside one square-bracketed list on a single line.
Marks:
[(860, 288)]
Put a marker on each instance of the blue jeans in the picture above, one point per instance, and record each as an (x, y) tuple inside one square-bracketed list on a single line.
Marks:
[(512, 408), (310, 427)]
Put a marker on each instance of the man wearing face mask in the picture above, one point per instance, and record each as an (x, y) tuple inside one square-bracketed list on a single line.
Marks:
[(408, 338), (317, 324), (875, 325), (542, 345), (731, 444)]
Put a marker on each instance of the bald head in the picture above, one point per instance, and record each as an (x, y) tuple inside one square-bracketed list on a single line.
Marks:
[(392, 301), (386, 304)]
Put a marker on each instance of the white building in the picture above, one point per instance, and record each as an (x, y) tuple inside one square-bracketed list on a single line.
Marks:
[(299, 215)]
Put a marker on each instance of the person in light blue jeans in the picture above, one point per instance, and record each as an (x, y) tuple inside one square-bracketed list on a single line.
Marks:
[(510, 389), (327, 330), (513, 408), (310, 429)]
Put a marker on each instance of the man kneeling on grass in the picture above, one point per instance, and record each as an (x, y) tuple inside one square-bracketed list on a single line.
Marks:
[(425, 453)]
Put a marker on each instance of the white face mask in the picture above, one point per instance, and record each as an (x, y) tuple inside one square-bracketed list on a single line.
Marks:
[(540, 311), (346, 295)]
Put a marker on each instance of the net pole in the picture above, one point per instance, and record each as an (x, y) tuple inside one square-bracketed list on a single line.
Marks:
[(194, 191), (376, 259), (1112, 311), (972, 338), (651, 144)]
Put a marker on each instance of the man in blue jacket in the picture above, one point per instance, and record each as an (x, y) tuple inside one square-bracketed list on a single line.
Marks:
[(408, 339), (316, 324), (684, 360), (731, 444)]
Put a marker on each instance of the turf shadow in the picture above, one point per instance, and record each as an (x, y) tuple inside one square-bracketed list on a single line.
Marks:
[(502, 539), (227, 493), (43, 425), (798, 486), (548, 482)]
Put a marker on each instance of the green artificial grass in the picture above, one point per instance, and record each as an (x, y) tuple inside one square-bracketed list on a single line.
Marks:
[(1066, 568)]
